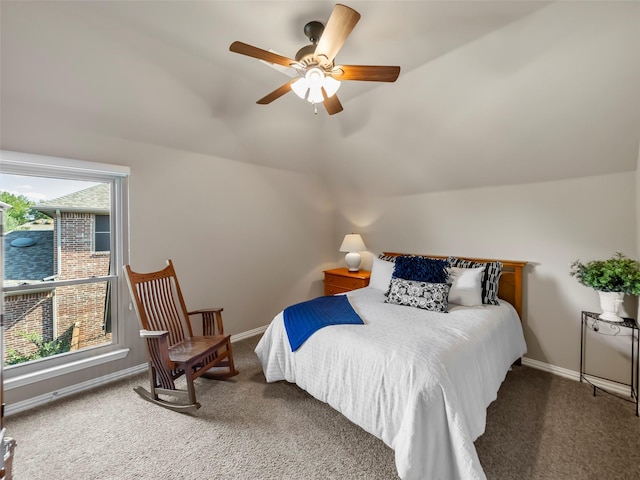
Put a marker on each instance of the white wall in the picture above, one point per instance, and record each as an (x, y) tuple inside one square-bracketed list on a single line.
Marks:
[(250, 239), (546, 224)]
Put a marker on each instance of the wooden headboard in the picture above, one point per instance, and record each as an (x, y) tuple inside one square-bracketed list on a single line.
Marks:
[(510, 286)]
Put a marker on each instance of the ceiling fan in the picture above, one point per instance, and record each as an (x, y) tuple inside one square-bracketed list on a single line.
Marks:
[(317, 77)]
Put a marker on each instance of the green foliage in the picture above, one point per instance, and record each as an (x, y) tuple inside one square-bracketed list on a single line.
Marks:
[(617, 274), (44, 349), (21, 210)]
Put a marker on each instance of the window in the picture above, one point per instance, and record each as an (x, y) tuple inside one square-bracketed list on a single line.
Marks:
[(61, 284), (102, 233)]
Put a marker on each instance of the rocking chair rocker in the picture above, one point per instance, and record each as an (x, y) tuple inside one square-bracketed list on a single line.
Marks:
[(172, 348)]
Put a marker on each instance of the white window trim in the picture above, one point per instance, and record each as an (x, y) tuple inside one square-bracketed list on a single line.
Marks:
[(18, 163), (68, 367), (27, 163)]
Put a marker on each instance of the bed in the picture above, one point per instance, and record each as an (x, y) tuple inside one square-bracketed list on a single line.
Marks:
[(419, 380)]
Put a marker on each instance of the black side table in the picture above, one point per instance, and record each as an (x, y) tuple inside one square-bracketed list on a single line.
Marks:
[(592, 321)]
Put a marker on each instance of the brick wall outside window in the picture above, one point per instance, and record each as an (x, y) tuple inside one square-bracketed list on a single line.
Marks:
[(81, 303), (32, 312)]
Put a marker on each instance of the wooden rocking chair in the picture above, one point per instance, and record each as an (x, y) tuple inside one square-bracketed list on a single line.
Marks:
[(172, 348)]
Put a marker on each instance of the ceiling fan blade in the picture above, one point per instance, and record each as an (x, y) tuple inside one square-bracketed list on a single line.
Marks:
[(336, 31), (255, 52), (332, 104), (372, 73), (277, 93)]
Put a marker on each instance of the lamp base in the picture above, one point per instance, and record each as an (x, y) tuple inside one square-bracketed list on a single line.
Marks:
[(352, 260)]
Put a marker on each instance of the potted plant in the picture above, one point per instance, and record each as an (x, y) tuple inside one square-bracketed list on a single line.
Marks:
[(612, 279)]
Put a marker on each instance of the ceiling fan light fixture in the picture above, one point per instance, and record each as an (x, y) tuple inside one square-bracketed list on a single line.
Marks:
[(315, 81), (315, 77), (300, 87), (331, 86), (311, 85), (315, 94)]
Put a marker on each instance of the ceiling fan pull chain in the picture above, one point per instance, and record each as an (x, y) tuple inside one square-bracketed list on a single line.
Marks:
[(315, 109)]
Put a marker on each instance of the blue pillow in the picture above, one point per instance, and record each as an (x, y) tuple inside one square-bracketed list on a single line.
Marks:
[(421, 269)]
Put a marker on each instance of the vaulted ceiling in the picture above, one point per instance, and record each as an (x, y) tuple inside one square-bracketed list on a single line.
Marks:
[(490, 92)]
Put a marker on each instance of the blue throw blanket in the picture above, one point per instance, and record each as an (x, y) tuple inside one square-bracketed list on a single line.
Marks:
[(303, 319)]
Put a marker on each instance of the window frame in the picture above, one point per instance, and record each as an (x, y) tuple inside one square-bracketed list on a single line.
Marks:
[(17, 163)]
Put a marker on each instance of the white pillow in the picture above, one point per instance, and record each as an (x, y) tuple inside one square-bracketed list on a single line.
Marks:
[(381, 272), (466, 286)]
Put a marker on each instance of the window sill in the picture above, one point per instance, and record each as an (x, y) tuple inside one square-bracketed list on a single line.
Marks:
[(68, 367)]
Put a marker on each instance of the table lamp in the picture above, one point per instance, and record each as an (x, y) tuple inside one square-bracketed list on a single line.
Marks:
[(352, 244)]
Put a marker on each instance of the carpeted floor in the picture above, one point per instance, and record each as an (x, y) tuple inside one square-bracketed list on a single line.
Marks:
[(541, 427)]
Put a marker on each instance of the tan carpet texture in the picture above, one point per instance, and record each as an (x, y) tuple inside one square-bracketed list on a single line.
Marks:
[(541, 427)]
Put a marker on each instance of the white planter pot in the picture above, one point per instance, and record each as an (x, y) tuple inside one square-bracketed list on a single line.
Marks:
[(611, 305)]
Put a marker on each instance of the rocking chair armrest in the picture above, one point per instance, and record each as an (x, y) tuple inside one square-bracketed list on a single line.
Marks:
[(153, 333), (158, 351), (209, 316)]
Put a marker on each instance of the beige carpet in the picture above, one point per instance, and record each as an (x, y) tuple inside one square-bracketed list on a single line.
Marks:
[(541, 427)]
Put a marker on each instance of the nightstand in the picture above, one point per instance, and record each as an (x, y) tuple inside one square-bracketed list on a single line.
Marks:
[(340, 280), (592, 322)]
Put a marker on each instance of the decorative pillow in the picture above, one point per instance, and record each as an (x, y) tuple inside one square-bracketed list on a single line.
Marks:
[(429, 296), (466, 286), (490, 278), (421, 269), (381, 273), (388, 258)]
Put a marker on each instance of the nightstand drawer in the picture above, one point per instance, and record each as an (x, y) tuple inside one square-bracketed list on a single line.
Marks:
[(344, 282), (341, 280), (332, 289)]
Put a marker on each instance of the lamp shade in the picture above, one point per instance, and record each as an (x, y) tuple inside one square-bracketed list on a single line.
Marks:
[(352, 244)]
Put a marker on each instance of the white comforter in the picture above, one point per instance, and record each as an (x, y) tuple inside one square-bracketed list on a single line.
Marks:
[(420, 381)]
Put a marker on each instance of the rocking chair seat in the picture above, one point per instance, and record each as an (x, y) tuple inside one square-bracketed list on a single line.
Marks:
[(186, 351), (194, 352)]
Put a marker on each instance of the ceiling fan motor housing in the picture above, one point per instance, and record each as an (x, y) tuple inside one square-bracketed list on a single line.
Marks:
[(306, 55), (313, 31)]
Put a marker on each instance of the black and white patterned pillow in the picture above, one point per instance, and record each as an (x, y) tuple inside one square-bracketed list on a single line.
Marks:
[(490, 277), (388, 258), (429, 296)]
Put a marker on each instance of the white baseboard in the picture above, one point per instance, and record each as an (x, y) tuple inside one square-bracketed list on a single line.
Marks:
[(251, 333), (63, 369), (613, 387), (96, 382)]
